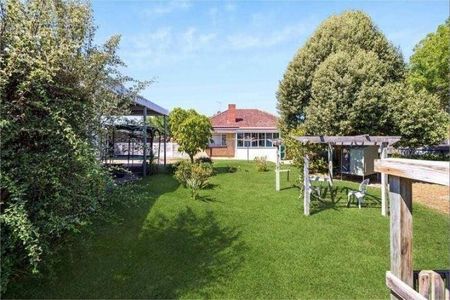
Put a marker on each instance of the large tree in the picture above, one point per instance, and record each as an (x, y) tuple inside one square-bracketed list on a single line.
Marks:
[(350, 33), (56, 87), (191, 130), (347, 96), (429, 65)]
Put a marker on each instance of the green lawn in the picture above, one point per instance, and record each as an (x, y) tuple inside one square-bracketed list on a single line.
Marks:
[(241, 240)]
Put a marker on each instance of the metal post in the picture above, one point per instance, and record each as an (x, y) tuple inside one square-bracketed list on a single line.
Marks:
[(277, 170), (165, 138), (144, 133)]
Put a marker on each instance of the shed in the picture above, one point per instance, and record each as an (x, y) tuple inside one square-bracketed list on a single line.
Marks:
[(357, 160)]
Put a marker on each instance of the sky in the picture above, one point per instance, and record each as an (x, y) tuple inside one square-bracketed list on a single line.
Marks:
[(207, 54)]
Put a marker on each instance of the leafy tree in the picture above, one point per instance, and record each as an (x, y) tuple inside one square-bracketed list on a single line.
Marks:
[(350, 32), (347, 96), (191, 130), (429, 65), (418, 116), (56, 88)]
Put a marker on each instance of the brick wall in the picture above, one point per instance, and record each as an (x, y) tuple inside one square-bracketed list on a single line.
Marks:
[(227, 151)]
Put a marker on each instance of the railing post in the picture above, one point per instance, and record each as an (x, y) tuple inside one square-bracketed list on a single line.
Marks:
[(431, 285), (401, 228)]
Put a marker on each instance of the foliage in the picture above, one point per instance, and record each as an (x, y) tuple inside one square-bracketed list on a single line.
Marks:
[(194, 175), (350, 33), (261, 164), (158, 123), (429, 65), (347, 96), (349, 80), (418, 124), (318, 164), (183, 172), (231, 247), (191, 130), (204, 159), (56, 87)]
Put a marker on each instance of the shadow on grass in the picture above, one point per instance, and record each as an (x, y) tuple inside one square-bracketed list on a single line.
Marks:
[(225, 170), (146, 255), (336, 199)]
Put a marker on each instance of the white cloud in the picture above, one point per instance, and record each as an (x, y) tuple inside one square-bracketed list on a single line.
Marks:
[(168, 7), (265, 40), (165, 46)]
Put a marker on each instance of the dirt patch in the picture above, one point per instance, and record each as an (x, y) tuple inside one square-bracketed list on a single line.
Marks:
[(432, 195)]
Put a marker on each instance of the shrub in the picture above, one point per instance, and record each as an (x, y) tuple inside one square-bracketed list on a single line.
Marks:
[(183, 171), (318, 165), (261, 164), (204, 159), (193, 175)]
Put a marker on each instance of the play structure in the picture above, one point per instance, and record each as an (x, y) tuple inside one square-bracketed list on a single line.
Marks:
[(123, 144), (364, 146), (128, 142), (400, 279)]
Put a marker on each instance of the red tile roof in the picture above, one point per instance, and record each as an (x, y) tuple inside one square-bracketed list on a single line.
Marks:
[(244, 118)]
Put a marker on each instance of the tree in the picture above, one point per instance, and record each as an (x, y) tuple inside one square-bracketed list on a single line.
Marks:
[(348, 97), (191, 130), (56, 88), (429, 65), (418, 116), (350, 32)]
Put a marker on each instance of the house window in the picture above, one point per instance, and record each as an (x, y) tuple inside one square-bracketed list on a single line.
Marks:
[(256, 139), (219, 140)]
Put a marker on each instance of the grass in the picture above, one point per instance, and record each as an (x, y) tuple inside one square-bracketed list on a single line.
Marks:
[(240, 240)]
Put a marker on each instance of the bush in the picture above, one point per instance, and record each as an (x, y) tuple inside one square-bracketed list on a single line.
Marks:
[(318, 165), (194, 176), (183, 171), (261, 164), (204, 159), (52, 183)]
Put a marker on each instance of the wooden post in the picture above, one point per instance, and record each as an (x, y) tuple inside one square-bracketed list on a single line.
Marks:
[(306, 200), (165, 138), (431, 285), (144, 132), (384, 184), (401, 228)]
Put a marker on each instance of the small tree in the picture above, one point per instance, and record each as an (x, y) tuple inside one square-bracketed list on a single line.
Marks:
[(429, 64), (191, 130)]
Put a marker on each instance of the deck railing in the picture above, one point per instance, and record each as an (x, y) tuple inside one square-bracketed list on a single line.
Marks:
[(401, 174)]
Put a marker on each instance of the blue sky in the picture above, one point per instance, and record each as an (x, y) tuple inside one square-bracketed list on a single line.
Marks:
[(206, 54)]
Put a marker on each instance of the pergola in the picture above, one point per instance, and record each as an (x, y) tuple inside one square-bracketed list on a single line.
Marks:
[(143, 107), (360, 140)]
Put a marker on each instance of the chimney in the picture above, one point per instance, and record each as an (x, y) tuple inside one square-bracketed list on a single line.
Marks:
[(231, 114)]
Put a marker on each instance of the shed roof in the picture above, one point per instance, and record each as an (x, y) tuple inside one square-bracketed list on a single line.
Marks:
[(356, 140)]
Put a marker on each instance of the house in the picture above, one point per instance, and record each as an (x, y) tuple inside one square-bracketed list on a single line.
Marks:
[(243, 134)]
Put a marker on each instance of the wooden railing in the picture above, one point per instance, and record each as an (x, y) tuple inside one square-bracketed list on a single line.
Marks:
[(401, 174)]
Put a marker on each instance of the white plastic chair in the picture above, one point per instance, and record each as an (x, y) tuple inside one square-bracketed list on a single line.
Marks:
[(360, 194)]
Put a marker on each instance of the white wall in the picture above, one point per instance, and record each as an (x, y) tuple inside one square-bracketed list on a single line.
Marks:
[(269, 153)]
